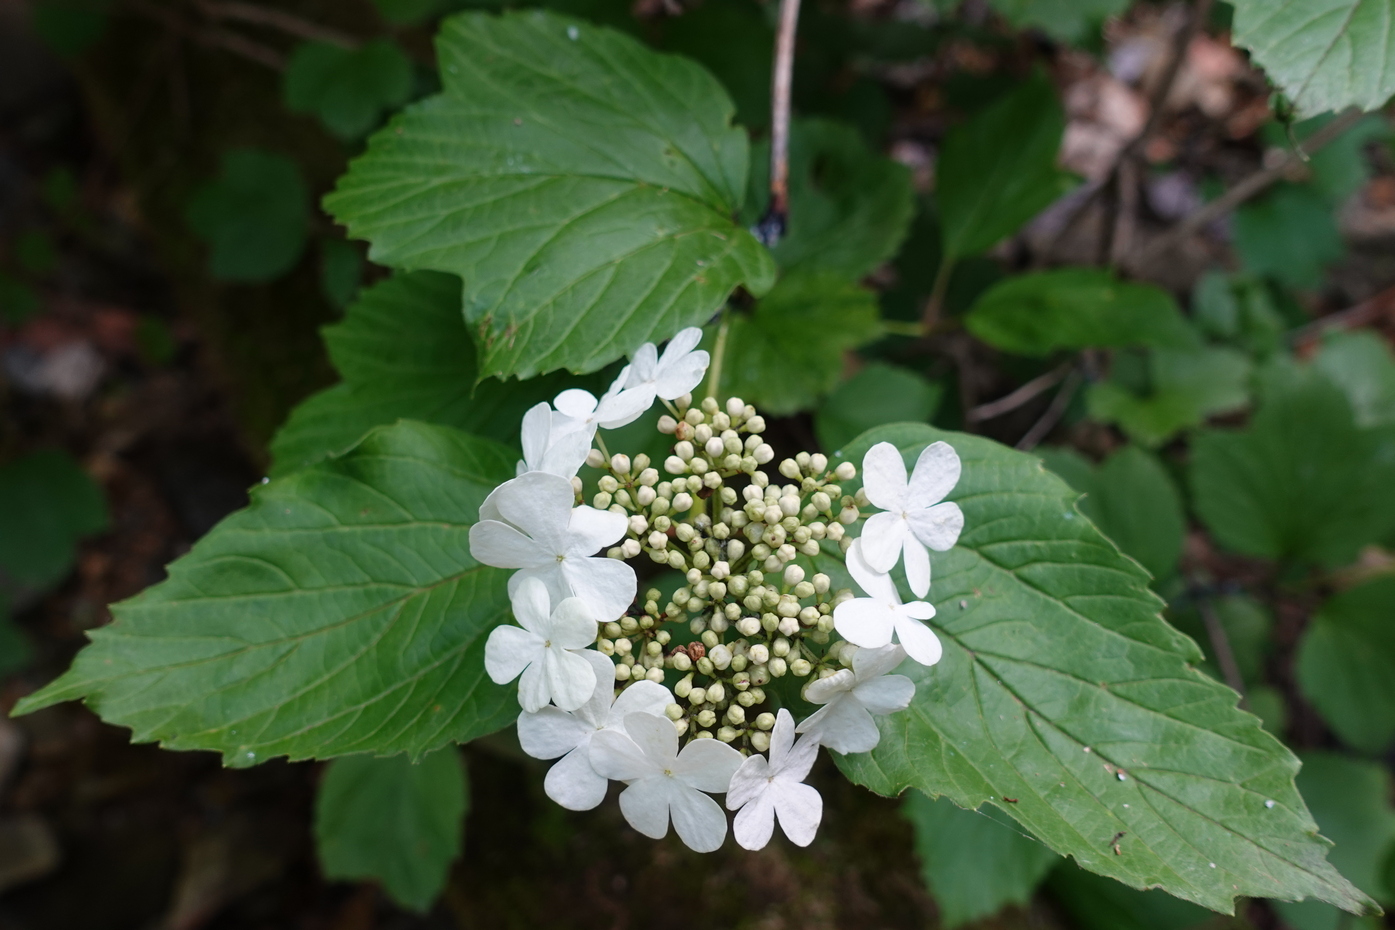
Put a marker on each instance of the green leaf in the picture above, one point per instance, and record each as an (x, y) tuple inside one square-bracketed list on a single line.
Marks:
[(341, 271), (1182, 389), (348, 89), (15, 651), (393, 820), (1077, 308), (49, 503), (407, 12), (850, 208), (1340, 168), (1239, 310), (1248, 627), (1351, 803), (404, 353), (1099, 904), (788, 352), (253, 217), (18, 301), (1290, 234), (1067, 20), (876, 395), (580, 184), (732, 40), (341, 612), (1323, 54), (1053, 646), (998, 170), (1133, 501), (1360, 363), (975, 862), (1301, 482), (1346, 664)]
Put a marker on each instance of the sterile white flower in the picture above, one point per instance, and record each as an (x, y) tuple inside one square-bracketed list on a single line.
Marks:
[(915, 517), (664, 782), (616, 407), (677, 372), (871, 621), (529, 523), (544, 649), (765, 789), (552, 732), (851, 696), (550, 445)]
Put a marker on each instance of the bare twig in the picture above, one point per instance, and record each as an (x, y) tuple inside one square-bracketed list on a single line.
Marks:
[(1250, 186), (217, 38), (1368, 311), (1220, 645), (1018, 397), (772, 225), (1041, 428), (288, 23)]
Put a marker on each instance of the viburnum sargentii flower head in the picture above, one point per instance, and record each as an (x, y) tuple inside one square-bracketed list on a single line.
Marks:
[(668, 693)]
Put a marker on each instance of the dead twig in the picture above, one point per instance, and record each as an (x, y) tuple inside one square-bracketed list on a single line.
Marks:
[(1282, 163), (215, 38), (1368, 311), (1017, 398), (772, 226), (1041, 428), (280, 20)]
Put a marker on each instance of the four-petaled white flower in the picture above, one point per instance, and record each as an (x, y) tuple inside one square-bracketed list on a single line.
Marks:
[(851, 696), (529, 523), (552, 732), (871, 621), (915, 517), (677, 372), (616, 408), (664, 782), (764, 790), (549, 445), (545, 649)]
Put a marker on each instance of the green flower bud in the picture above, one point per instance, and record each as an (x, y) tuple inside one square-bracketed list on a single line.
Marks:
[(684, 686), (759, 653), (765, 721), (803, 589), (674, 711), (622, 673), (698, 695), (738, 663), (601, 501), (704, 665), (778, 668), (726, 734), (736, 715), (705, 719), (716, 694), (681, 662)]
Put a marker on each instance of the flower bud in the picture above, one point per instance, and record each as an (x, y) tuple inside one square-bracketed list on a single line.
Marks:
[(675, 466), (732, 445), (706, 719), (789, 506), (781, 647), (676, 560), (681, 662), (714, 447), (701, 433), (821, 502), (656, 673), (773, 514), (658, 540), (719, 623), (755, 424), (735, 406), (789, 626), (649, 477), (726, 734), (825, 624), (601, 501), (759, 653), (620, 463), (765, 721), (808, 616), (699, 465), (801, 668), (848, 515), (696, 625), (667, 425), (735, 549), (763, 454), (748, 626), (786, 553), (789, 468), (794, 575), (684, 686), (684, 501), (684, 450), (628, 625), (698, 695), (716, 693), (835, 531), (778, 667), (674, 711), (803, 589), (704, 665), (745, 699), (701, 559), (638, 525), (622, 673), (736, 715), (630, 548)]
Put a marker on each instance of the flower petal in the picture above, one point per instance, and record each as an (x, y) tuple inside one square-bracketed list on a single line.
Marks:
[(551, 732), (549, 573), (535, 434), (640, 697), (884, 477), (589, 530), (750, 780), (917, 563), (826, 689), (698, 819), (570, 678), (938, 527), (657, 738), (882, 537), (621, 409), (920, 610), (566, 453), (781, 739), (864, 621), (533, 693), (919, 641), (572, 782), (500, 545), (683, 376), (614, 755), (800, 809), (607, 585), (645, 804), (572, 624), (755, 822), (597, 707), (508, 651), (935, 474), (874, 583), (642, 365), (576, 403), (800, 760), (540, 505), (683, 342), (707, 764), (887, 694), (843, 725), (532, 606), (869, 663)]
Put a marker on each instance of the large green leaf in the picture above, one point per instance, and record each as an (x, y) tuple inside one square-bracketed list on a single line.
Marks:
[(1302, 481), (582, 186), (1172, 389), (1346, 664), (1360, 363), (1069, 20), (1066, 701), (1097, 903), (404, 353), (849, 206), (876, 395), (975, 862), (788, 353), (48, 503), (998, 170), (253, 216), (1077, 308), (341, 612), (1324, 54), (392, 820), (1290, 234), (348, 89)]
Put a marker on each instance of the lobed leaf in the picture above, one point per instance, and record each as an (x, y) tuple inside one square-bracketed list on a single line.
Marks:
[(341, 612), (48, 503), (348, 89), (253, 216)]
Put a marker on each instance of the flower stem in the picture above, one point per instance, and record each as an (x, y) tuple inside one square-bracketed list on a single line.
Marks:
[(719, 352)]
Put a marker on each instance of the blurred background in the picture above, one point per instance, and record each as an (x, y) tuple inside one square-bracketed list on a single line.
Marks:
[(164, 274)]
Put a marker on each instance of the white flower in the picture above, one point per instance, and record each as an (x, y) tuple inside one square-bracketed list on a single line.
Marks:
[(549, 445), (552, 732), (616, 407), (764, 790), (679, 371), (871, 621), (851, 696), (546, 650), (529, 523), (914, 516), (665, 783)]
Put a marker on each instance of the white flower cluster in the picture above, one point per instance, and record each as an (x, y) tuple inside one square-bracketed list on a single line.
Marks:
[(748, 610)]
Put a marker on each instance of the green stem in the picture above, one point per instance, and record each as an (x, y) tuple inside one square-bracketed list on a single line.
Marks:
[(719, 352), (903, 328), (935, 305)]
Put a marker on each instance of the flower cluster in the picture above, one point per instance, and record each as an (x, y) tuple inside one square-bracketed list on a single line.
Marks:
[(668, 694)]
